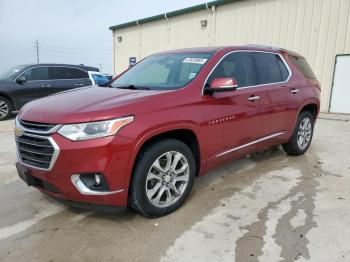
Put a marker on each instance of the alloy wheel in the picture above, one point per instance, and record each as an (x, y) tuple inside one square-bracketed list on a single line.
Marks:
[(4, 109), (167, 179), (304, 133)]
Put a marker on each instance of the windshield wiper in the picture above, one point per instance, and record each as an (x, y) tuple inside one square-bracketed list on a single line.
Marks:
[(133, 87)]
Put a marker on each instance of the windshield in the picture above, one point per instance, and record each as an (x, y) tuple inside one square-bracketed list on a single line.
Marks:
[(163, 71), (10, 72)]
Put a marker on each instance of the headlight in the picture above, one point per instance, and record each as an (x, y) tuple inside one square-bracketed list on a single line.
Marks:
[(84, 131)]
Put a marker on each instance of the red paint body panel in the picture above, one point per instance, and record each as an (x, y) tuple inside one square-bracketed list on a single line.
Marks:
[(220, 122)]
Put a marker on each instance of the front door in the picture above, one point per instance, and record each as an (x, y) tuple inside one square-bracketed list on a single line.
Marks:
[(233, 118), (36, 85)]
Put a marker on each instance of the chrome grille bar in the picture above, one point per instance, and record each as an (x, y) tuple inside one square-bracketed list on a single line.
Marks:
[(35, 149)]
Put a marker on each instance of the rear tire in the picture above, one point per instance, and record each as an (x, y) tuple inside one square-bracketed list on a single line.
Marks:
[(5, 108), (162, 178), (301, 139)]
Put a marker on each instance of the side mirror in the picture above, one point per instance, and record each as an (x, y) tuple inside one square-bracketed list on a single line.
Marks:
[(21, 79), (221, 84)]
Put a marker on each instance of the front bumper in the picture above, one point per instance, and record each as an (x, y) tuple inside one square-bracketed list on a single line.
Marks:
[(109, 156)]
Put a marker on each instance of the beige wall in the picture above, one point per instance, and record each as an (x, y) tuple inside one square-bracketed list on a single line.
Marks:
[(318, 29)]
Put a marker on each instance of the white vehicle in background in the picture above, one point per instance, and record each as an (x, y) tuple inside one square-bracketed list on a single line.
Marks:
[(97, 78), (109, 76)]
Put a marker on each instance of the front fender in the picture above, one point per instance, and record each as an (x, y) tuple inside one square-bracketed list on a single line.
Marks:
[(155, 131)]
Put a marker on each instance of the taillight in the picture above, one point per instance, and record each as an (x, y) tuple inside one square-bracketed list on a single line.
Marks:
[(314, 82)]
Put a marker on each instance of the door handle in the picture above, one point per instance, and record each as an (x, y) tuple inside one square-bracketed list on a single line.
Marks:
[(79, 84), (294, 91), (46, 85), (253, 98)]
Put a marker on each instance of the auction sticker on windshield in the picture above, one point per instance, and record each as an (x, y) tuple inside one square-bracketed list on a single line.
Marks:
[(195, 60)]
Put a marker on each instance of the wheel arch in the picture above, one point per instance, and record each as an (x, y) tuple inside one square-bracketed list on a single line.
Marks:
[(311, 107), (186, 133), (4, 95)]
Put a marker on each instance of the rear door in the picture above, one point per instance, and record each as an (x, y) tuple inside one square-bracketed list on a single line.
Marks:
[(65, 78), (272, 75), (233, 118), (35, 86)]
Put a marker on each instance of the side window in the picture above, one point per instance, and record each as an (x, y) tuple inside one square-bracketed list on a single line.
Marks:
[(57, 73), (73, 73), (267, 68), (237, 65), (283, 69), (35, 74), (66, 73)]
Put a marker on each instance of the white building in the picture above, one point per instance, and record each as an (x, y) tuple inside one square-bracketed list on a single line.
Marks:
[(317, 29)]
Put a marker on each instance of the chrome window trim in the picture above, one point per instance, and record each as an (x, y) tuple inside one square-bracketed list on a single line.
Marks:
[(84, 190), (249, 144), (251, 51), (48, 76), (50, 131), (57, 80), (55, 154)]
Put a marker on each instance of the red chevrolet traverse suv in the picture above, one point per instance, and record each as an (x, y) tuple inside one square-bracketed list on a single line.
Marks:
[(142, 140)]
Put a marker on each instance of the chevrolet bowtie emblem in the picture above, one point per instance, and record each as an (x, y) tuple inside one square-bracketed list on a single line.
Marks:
[(18, 132)]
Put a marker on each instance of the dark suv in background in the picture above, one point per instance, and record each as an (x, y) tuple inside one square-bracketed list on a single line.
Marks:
[(25, 83)]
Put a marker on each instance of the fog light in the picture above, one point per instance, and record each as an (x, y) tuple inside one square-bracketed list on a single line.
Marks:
[(94, 181), (97, 180)]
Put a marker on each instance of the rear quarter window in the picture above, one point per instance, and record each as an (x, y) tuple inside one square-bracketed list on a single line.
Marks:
[(303, 66)]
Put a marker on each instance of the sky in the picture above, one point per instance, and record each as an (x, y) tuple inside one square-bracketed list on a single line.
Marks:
[(70, 31)]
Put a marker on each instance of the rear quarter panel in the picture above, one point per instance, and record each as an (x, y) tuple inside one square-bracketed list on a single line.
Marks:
[(309, 94)]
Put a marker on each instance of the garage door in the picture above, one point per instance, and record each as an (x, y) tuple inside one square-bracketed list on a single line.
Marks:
[(341, 85)]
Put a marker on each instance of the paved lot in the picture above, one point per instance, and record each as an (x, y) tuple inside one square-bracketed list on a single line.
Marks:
[(268, 207)]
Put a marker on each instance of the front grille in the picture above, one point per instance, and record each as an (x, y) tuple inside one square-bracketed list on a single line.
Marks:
[(35, 151), (33, 126)]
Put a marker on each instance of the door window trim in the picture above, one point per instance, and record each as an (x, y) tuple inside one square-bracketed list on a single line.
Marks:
[(251, 51), (52, 79)]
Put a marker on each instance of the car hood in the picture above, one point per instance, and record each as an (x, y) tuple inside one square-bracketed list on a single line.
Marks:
[(88, 104)]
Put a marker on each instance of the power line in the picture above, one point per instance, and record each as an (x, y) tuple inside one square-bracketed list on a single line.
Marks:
[(84, 48), (101, 56), (83, 51), (75, 55)]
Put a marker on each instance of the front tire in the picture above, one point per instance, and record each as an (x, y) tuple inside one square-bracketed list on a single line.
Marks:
[(5, 108), (162, 179), (302, 135)]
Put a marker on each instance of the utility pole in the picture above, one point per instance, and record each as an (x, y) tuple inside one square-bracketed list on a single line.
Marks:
[(101, 66), (36, 46)]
